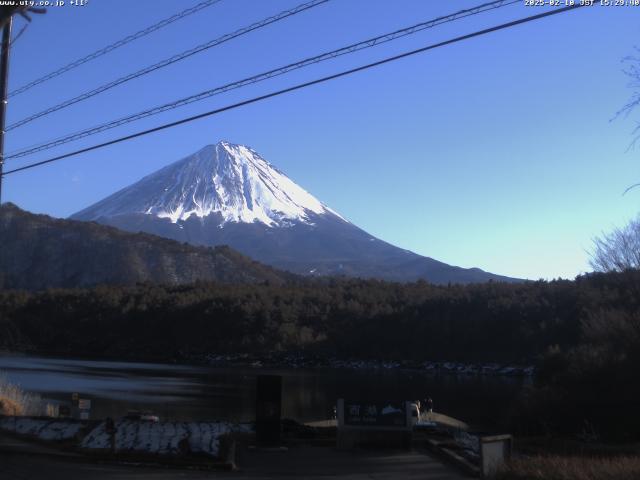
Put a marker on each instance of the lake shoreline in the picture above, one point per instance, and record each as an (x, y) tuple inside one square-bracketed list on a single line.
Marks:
[(435, 367), (297, 360)]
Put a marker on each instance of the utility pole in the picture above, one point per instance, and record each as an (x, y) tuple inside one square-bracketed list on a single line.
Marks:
[(4, 89)]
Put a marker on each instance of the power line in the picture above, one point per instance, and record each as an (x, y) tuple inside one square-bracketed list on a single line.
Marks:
[(168, 61), (264, 76), (109, 48), (299, 86)]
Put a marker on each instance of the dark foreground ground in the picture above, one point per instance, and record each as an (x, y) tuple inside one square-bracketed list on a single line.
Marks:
[(22, 461)]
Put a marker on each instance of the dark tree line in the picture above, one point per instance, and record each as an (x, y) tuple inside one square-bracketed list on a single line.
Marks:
[(347, 318), (584, 335)]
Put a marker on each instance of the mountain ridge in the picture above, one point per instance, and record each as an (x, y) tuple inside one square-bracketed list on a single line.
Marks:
[(44, 252), (228, 194)]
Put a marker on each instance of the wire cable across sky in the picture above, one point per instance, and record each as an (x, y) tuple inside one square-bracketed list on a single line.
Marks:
[(109, 48), (371, 42), (169, 61), (299, 86)]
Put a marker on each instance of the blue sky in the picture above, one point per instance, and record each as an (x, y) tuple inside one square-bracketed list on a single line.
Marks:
[(498, 152)]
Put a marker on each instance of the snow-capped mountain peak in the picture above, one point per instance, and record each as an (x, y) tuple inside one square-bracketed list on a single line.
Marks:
[(228, 179), (227, 194)]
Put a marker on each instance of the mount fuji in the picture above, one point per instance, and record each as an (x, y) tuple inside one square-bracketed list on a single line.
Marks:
[(228, 194)]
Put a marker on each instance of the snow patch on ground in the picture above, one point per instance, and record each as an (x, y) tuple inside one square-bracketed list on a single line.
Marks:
[(42, 428), (164, 438)]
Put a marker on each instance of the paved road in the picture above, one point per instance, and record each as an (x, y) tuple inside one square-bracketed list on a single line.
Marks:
[(323, 462), (20, 460), (306, 463)]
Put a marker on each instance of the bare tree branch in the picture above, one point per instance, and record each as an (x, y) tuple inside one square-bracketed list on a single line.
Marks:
[(618, 250)]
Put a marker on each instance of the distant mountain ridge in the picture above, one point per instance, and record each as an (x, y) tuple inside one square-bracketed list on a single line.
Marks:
[(42, 252), (228, 194)]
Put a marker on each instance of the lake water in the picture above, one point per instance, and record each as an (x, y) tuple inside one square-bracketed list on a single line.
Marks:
[(182, 392)]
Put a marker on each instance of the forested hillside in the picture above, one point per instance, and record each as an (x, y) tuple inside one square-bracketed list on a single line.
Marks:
[(347, 318), (584, 335), (39, 251)]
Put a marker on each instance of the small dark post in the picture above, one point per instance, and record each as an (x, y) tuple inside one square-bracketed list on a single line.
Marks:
[(110, 428), (268, 409), (4, 89)]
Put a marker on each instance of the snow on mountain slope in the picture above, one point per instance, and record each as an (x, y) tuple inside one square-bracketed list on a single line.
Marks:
[(227, 194), (232, 180)]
